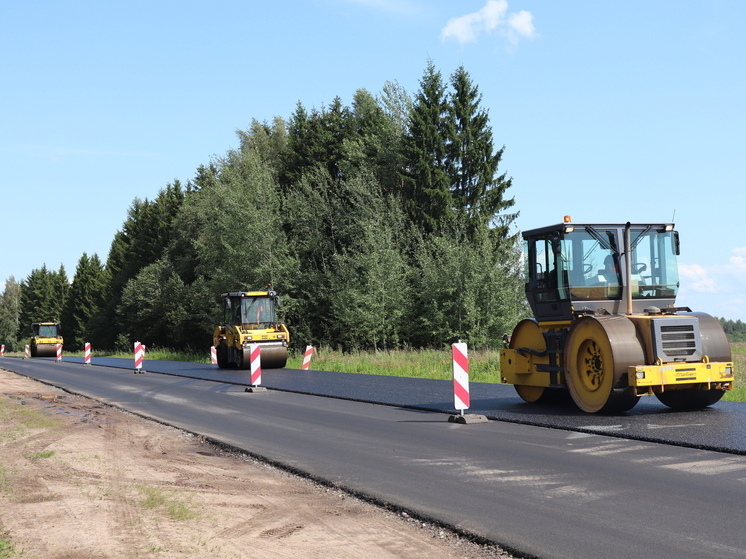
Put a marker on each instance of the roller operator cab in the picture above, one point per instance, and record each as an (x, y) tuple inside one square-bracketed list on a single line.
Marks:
[(605, 324), (250, 318), (44, 339)]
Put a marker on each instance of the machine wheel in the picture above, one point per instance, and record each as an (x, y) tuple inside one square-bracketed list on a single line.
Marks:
[(528, 334), (597, 354), (689, 398), (221, 351)]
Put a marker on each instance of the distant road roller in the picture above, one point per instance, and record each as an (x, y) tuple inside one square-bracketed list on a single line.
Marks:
[(250, 318), (605, 327), (44, 339)]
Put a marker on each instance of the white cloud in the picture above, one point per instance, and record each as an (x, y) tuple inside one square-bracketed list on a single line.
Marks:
[(493, 17), (719, 290)]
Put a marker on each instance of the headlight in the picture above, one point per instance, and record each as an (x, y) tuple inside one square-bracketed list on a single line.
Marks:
[(640, 374)]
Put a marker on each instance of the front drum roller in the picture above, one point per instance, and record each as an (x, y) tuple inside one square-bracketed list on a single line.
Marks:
[(45, 350), (270, 357), (527, 334), (597, 354)]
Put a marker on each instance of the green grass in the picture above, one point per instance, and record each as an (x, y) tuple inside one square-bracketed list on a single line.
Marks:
[(167, 501), (7, 547), (484, 365)]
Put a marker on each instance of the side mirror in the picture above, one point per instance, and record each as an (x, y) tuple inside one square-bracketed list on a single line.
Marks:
[(676, 245), (277, 300)]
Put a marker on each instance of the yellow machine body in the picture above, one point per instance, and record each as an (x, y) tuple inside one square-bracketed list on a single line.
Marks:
[(606, 329), (44, 339), (250, 318)]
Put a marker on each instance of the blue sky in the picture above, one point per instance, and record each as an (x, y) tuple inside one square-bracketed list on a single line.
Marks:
[(609, 111)]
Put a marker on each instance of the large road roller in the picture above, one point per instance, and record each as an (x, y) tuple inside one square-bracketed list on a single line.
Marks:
[(605, 326), (250, 318), (44, 339)]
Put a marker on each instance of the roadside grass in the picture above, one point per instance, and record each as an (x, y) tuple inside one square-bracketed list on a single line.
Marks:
[(484, 365), (155, 498), (7, 547), (17, 419), (738, 394)]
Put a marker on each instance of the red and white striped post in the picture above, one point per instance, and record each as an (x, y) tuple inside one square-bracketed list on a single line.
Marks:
[(87, 354), (461, 400), (2, 350), (139, 356), (59, 352), (256, 364), (461, 395), (213, 355), (307, 358), (26, 352)]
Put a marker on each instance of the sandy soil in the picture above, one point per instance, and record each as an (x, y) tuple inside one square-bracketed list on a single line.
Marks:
[(79, 479)]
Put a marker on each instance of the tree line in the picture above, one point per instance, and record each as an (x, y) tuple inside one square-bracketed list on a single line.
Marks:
[(734, 329), (383, 224)]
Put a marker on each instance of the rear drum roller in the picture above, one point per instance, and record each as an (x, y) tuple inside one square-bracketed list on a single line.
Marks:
[(715, 345), (597, 354), (527, 334)]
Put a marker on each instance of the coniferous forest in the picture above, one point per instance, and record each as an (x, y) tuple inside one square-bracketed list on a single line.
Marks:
[(384, 224)]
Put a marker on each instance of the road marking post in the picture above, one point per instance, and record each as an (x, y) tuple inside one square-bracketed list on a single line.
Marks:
[(307, 357), (59, 353), (461, 395), (87, 354), (213, 355), (139, 357), (255, 352), (2, 350), (26, 352)]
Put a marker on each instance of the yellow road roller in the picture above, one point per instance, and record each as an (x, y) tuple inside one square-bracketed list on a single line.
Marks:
[(605, 326), (250, 318), (44, 339)]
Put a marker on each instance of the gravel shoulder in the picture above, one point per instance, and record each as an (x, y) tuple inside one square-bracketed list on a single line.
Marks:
[(80, 479)]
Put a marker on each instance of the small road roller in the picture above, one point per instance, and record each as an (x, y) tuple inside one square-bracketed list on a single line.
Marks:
[(44, 339), (605, 326), (250, 318)]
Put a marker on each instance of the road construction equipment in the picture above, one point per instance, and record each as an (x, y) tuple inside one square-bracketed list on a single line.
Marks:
[(605, 327), (44, 339), (250, 318)]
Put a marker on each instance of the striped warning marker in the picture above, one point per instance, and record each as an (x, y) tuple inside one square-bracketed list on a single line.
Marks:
[(26, 352), (256, 364), (139, 356), (213, 355), (87, 354), (59, 352), (460, 376), (2, 350), (307, 357)]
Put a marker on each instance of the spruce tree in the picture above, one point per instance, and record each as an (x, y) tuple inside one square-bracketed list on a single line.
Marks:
[(426, 183), (479, 194)]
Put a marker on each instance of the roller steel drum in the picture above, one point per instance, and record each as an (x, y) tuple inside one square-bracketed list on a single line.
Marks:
[(45, 350), (272, 357)]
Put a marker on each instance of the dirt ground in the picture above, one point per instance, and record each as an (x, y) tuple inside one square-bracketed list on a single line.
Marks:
[(80, 479)]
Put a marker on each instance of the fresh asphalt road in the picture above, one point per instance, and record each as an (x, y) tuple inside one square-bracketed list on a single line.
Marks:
[(543, 492)]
